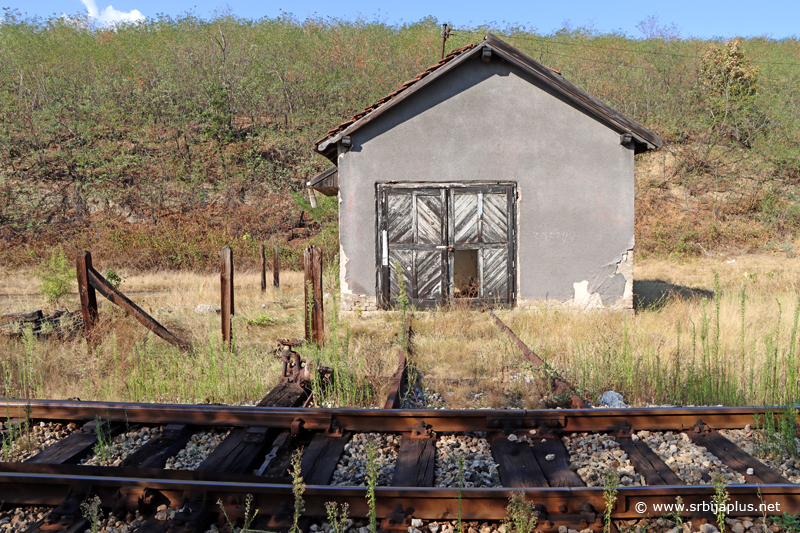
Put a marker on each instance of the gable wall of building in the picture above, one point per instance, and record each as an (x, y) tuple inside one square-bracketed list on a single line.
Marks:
[(491, 122)]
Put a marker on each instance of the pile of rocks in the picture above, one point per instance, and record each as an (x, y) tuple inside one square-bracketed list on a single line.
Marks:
[(122, 446), (37, 438), (480, 470), (786, 466), (196, 450), (692, 463), (352, 467), (591, 455)]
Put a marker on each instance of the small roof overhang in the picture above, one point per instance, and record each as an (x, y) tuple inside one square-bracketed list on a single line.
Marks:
[(326, 182)]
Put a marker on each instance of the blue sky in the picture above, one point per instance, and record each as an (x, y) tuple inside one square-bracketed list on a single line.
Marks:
[(697, 18)]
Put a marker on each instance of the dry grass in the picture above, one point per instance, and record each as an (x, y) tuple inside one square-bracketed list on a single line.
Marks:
[(669, 352)]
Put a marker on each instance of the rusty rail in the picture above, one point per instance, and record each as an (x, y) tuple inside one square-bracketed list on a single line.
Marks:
[(400, 379), (559, 386), (441, 420), (40, 483)]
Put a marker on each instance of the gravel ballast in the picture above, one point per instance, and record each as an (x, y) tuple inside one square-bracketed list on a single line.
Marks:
[(692, 463), (122, 446), (352, 467), (591, 455), (196, 450), (480, 470), (785, 466), (39, 437)]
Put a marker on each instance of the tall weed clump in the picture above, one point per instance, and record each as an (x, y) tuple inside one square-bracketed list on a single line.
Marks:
[(720, 352)]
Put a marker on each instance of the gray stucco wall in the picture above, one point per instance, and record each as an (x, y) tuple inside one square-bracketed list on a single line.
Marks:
[(493, 122)]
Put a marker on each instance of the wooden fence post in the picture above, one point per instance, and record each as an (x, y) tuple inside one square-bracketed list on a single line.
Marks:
[(315, 326), (88, 297), (226, 281), (263, 270), (276, 265)]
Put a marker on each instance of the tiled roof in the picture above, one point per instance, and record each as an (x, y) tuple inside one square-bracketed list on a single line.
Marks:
[(643, 138)]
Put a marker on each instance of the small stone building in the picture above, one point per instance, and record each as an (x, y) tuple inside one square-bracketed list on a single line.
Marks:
[(488, 178)]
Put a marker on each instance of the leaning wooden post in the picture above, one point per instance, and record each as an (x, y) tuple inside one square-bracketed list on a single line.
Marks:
[(315, 328), (226, 281), (87, 294), (263, 270), (276, 265)]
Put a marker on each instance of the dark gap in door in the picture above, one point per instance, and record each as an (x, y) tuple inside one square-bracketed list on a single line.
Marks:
[(465, 274)]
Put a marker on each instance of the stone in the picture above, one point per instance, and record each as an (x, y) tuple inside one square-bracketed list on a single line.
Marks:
[(738, 527), (416, 522), (562, 529), (750, 471), (433, 527), (550, 457), (707, 528), (612, 399), (206, 309), (512, 438)]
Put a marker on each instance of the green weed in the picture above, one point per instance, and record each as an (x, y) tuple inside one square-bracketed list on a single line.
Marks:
[(522, 516), (610, 488), (93, 513), (298, 488)]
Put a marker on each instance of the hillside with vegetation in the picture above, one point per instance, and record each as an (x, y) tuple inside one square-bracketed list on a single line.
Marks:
[(155, 144)]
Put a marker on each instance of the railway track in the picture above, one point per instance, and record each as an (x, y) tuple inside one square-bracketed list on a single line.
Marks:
[(259, 435), (528, 448)]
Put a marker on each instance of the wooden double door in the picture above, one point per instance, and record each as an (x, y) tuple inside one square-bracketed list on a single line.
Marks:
[(446, 242)]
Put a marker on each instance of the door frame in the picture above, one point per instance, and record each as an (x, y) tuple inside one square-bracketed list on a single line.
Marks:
[(383, 272)]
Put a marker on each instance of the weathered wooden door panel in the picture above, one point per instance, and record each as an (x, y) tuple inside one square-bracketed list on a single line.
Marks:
[(421, 228), (400, 227), (494, 220), (414, 221), (495, 274), (430, 274), (429, 212), (465, 216), (400, 260)]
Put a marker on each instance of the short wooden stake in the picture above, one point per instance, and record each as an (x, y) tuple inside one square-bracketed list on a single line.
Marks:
[(263, 270), (276, 265), (226, 282), (315, 327), (87, 294)]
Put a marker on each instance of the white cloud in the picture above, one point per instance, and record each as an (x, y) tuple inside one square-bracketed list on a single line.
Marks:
[(110, 15)]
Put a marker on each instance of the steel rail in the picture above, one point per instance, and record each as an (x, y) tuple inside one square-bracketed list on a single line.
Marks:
[(389, 420), (425, 502)]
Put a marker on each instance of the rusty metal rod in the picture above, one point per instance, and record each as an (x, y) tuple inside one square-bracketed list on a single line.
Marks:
[(559, 386)]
